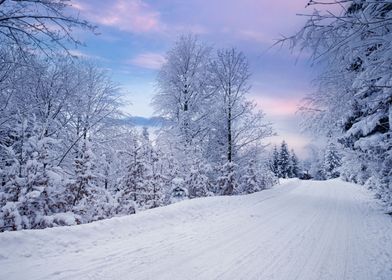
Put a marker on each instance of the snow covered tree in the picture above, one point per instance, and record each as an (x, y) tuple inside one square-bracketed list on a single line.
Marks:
[(227, 182), (157, 185), (184, 90), (385, 186), (353, 40), (231, 75), (274, 162), (210, 119), (67, 158), (82, 187), (251, 181), (152, 177), (315, 162), (178, 190), (133, 185), (45, 122), (284, 161), (332, 161), (235, 124), (294, 168), (198, 182), (39, 24)]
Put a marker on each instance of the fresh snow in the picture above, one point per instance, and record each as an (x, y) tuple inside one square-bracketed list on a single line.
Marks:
[(297, 230)]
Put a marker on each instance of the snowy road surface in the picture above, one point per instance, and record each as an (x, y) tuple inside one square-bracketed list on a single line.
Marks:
[(298, 230)]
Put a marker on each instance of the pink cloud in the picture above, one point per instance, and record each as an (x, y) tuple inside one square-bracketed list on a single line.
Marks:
[(148, 60), (258, 21), (277, 106), (281, 111), (126, 15)]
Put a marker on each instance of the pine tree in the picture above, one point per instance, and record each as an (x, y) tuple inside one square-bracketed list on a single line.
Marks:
[(82, 188), (34, 204), (157, 183), (294, 169), (275, 162), (251, 181), (332, 161), (284, 161), (198, 181), (227, 182), (133, 186)]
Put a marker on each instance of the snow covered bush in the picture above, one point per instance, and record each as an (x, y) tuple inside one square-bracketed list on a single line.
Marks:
[(250, 181), (178, 190), (198, 182), (10, 218)]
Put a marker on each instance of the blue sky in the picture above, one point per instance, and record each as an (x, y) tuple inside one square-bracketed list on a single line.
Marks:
[(135, 35)]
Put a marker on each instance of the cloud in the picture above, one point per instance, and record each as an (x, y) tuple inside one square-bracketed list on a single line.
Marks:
[(83, 55), (126, 15), (276, 106), (255, 36), (80, 54), (148, 60)]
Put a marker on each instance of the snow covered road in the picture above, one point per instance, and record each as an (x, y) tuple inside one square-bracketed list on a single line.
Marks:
[(298, 230)]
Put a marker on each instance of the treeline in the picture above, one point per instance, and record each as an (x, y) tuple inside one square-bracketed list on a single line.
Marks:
[(212, 128), (67, 159), (64, 160), (326, 162), (285, 163), (323, 163)]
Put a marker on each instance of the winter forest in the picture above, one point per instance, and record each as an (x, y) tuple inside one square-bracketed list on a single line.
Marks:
[(69, 155), (181, 140)]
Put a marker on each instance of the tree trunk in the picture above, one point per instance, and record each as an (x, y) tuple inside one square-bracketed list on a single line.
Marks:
[(229, 136)]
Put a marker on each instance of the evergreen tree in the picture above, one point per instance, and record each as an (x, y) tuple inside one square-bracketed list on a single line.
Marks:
[(284, 161), (294, 169), (275, 162), (227, 182), (251, 181), (134, 186), (332, 161), (198, 182), (158, 182), (34, 205), (81, 189)]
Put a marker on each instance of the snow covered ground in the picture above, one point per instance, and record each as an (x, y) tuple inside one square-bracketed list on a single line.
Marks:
[(298, 230)]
